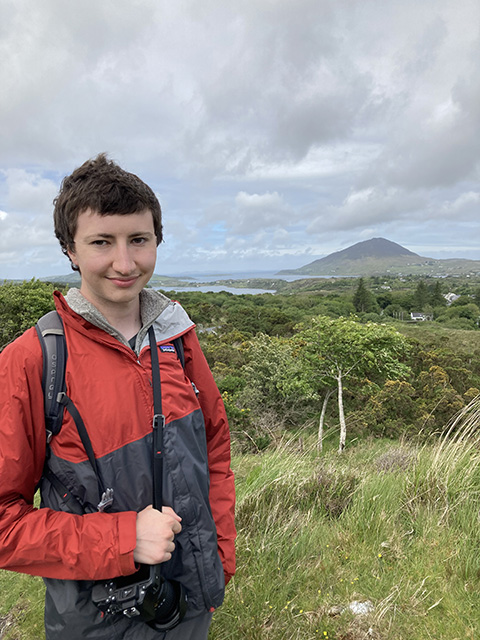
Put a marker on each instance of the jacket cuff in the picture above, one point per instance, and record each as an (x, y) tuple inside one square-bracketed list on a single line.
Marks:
[(127, 541)]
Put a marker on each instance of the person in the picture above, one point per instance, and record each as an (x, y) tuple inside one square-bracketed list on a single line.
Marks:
[(108, 223)]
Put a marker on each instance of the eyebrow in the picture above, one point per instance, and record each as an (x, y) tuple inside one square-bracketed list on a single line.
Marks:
[(108, 236)]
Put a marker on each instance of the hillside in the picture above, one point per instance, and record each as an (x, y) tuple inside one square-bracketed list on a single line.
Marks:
[(73, 280), (379, 256)]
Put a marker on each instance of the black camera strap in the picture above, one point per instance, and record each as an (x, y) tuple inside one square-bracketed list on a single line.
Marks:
[(158, 424), (161, 603), (171, 599)]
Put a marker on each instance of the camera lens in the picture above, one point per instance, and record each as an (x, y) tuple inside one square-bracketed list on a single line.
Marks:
[(170, 606)]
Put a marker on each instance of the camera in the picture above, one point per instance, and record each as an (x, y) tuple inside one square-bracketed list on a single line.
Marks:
[(147, 594)]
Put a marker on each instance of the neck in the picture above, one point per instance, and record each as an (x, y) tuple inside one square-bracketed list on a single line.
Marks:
[(125, 318), (128, 326)]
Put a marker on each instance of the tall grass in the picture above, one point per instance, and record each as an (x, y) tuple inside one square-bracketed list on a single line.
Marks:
[(390, 525)]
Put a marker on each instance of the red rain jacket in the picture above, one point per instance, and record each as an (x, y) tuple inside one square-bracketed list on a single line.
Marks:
[(111, 388)]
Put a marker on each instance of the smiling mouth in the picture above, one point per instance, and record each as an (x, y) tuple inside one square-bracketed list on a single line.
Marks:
[(124, 282)]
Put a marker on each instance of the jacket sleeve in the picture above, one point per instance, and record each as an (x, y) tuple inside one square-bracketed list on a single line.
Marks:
[(44, 542), (222, 486)]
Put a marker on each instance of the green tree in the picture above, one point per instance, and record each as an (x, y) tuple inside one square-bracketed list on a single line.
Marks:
[(273, 376), (273, 390), (396, 311), (421, 296), (21, 305), (335, 350), (436, 298), (465, 315), (461, 301), (384, 300), (363, 300)]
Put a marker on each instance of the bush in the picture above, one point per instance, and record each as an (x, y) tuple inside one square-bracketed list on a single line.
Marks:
[(438, 399), (21, 305), (457, 323), (274, 384), (393, 410)]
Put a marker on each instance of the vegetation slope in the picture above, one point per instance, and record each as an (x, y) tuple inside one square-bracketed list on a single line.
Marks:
[(380, 541)]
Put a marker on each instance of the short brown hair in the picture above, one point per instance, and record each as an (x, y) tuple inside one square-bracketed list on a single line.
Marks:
[(104, 187)]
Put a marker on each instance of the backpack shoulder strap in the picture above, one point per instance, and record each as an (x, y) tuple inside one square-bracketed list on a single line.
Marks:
[(51, 334), (178, 344), (54, 350)]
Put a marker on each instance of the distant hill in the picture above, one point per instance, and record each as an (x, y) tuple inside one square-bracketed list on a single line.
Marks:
[(73, 280), (379, 256)]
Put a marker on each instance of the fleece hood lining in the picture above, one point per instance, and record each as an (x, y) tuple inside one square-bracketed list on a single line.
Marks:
[(152, 305)]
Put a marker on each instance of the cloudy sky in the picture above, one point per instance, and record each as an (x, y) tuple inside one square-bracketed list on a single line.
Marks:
[(274, 132)]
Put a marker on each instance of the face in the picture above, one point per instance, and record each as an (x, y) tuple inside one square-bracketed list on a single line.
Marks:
[(116, 256)]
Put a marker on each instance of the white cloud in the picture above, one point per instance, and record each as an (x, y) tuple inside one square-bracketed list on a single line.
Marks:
[(294, 122), (24, 235), (28, 192)]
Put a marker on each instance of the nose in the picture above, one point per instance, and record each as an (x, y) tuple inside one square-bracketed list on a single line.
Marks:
[(123, 261)]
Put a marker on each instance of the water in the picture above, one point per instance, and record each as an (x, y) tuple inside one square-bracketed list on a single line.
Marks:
[(239, 275), (215, 277), (213, 288)]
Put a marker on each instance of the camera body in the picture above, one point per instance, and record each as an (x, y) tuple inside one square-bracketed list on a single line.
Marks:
[(147, 594)]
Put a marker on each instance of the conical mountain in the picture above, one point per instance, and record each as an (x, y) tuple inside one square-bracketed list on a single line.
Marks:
[(379, 256)]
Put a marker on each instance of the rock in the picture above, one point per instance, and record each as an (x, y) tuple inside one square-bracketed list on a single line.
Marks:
[(355, 607), (361, 608)]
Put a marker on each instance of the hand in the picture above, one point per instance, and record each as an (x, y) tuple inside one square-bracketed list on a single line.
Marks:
[(156, 531)]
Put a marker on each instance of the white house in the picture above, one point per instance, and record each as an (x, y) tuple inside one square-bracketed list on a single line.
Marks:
[(450, 297), (420, 317)]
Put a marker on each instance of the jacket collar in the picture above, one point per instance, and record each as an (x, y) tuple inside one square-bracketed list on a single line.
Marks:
[(152, 304)]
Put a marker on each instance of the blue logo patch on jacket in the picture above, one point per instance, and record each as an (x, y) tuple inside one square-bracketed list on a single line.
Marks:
[(167, 348)]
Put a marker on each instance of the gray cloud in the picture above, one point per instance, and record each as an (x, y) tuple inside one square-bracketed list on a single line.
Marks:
[(367, 207), (258, 212), (297, 126)]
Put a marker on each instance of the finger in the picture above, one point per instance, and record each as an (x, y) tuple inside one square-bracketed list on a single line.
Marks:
[(168, 552), (169, 511), (176, 528), (148, 508)]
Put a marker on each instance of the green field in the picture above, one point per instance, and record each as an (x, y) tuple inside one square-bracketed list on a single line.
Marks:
[(379, 542)]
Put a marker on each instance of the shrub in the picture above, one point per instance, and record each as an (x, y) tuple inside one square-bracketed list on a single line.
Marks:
[(21, 305), (392, 410)]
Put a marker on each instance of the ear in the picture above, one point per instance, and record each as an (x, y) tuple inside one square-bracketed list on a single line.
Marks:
[(72, 256)]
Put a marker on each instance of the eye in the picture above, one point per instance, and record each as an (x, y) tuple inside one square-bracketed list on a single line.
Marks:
[(99, 243), (139, 240)]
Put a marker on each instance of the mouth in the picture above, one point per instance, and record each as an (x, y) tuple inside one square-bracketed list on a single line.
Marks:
[(124, 282)]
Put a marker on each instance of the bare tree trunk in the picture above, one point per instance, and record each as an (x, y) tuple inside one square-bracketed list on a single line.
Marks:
[(322, 420), (341, 415)]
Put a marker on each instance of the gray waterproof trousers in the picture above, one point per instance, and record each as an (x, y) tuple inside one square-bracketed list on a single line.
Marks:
[(191, 628)]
